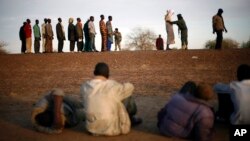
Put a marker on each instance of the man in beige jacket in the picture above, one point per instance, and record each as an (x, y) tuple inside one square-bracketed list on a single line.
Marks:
[(109, 107)]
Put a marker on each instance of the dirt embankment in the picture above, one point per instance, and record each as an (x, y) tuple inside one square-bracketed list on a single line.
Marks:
[(155, 74)]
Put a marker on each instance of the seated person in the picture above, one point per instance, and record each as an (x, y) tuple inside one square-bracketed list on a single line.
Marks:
[(55, 111), (188, 114), (239, 93), (109, 108)]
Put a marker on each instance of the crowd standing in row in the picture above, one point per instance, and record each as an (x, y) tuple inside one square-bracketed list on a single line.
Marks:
[(76, 34)]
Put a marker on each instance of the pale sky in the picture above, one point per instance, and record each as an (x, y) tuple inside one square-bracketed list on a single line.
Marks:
[(127, 15)]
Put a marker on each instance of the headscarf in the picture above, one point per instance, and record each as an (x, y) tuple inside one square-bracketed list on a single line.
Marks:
[(169, 15)]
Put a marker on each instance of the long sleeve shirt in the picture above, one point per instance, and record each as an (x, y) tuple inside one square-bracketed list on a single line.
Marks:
[(36, 30)]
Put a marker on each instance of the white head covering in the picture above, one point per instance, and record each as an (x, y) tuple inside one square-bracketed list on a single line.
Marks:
[(71, 20), (169, 14)]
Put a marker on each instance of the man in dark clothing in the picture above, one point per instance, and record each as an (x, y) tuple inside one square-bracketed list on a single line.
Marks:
[(22, 38), (183, 29), (71, 34), (87, 38), (218, 27), (159, 43), (60, 35)]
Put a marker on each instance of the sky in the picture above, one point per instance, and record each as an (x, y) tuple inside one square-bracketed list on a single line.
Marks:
[(127, 15)]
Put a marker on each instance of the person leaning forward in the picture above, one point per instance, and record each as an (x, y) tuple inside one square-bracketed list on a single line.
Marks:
[(109, 106)]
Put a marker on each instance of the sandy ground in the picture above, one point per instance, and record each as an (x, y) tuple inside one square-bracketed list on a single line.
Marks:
[(155, 74)]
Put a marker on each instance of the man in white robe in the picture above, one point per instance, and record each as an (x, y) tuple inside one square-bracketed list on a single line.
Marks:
[(105, 112)]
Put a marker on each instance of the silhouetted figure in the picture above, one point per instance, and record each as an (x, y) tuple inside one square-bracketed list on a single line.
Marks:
[(87, 47), (159, 43), (218, 27), (182, 27), (60, 35), (22, 38), (71, 35)]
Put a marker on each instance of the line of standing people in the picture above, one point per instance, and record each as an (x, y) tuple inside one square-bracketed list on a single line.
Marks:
[(76, 34)]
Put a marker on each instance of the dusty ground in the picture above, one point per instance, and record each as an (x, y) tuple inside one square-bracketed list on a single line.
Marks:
[(155, 74)]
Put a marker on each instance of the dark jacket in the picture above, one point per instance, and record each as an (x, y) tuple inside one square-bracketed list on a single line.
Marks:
[(59, 32), (22, 33), (185, 116), (71, 32)]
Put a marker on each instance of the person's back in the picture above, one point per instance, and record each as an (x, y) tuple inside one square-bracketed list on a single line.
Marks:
[(241, 96), (239, 92), (186, 116), (105, 112)]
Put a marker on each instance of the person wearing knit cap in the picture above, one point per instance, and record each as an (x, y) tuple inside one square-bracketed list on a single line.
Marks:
[(188, 114), (169, 28), (55, 111), (218, 28)]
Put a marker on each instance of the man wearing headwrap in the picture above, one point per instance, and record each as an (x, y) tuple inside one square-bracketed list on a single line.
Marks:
[(55, 111), (219, 27), (169, 28)]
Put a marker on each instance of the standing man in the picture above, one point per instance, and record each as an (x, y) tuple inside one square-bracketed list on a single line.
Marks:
[(118, 39), (49, 37), (28, 33), (37, 36), (182, 27), (104, 34), (110, 33), (79, 35), (71, 35), (43, 34), (22, 38), (87, 38), (218, 27), (92, 34), (60, 35), (159, 43)]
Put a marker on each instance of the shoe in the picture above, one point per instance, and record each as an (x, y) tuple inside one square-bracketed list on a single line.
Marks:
[(135, 121)]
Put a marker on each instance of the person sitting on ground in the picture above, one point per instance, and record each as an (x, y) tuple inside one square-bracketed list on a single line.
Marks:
[(109, 107), (239, 92), (55, 111), (188, 113)]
